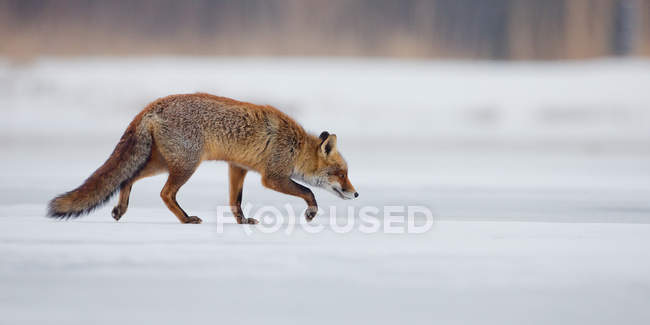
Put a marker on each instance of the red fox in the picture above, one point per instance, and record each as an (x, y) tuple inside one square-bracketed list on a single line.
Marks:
[(176, 133)]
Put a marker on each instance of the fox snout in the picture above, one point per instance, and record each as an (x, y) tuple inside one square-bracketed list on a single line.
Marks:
[(350, 195), (346, 193), (348, 190)]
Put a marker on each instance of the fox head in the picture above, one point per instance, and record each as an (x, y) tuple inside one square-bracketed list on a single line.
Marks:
[(331, 169)]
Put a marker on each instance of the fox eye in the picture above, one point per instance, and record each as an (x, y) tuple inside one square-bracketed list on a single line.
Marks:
[(337, 174)]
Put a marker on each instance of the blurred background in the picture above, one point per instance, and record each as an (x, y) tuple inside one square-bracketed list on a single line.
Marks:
[(466, 29), (433, 101), (527, 120)]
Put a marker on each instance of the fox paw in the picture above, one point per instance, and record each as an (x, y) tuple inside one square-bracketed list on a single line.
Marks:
[(117, 213), (310, 213), (247, 221), (193, 219)]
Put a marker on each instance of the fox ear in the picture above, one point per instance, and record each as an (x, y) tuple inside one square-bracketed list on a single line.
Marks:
[(328, 145), (323, 136)]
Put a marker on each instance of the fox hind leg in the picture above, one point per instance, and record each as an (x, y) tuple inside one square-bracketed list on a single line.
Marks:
[(120, 209), (177, 177), (154, 166), (180, 148)]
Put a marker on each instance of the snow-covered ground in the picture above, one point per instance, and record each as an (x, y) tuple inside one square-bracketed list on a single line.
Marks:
[(538, 177), (151, 269)]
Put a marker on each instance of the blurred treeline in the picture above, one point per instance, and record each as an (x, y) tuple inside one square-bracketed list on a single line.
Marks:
[(483, 29)]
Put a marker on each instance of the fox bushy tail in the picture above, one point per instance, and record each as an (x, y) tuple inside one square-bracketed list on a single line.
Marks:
[(129, 156)]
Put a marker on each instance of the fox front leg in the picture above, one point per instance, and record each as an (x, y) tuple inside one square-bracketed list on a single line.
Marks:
[(237, 175), (287, 186)]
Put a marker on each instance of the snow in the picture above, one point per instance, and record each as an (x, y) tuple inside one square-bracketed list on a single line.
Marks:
[(537, 174), (152, 269)]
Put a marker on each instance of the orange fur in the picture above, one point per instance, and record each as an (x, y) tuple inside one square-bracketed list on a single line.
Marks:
[(176, 133)]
